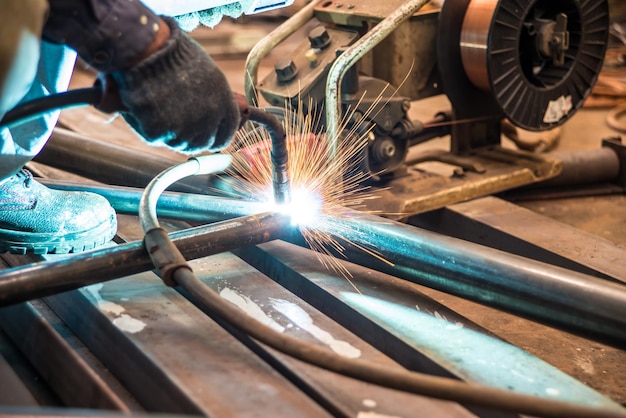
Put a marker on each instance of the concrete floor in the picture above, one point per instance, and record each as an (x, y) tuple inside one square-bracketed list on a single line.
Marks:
[(597, 365)]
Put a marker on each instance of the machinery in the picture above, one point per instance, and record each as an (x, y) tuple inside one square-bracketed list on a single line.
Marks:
[(530, 64), (240, 311)]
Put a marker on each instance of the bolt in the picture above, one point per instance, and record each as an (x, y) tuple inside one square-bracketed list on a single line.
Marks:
[(458, 172), (319, 37), (285, 70)]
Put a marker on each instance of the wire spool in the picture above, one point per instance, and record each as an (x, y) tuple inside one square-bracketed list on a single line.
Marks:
[(537, 59)]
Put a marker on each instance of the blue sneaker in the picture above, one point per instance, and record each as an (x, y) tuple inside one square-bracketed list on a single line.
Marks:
[(36, 219)]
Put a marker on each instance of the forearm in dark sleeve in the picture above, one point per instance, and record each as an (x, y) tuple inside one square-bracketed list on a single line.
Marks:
[(108, 34)]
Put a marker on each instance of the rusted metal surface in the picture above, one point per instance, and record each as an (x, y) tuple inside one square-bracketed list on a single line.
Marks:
[(408, 326), (63, 366), (350, 57), (13, 391), (356, 13), (270, 302), (407, 57), (485, 172), (175, 359)]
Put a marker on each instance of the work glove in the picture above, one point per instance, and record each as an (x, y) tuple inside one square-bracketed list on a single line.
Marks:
[(178, 97)]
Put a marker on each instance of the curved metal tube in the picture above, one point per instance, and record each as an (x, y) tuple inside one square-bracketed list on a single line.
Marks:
[(205, 164), (350, 57), (265, 46)]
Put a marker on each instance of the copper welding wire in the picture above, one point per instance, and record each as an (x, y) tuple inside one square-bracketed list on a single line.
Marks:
[(475, 40)]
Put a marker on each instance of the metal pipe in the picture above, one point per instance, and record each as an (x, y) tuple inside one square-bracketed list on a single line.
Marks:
[(554, 296), (278, 156), (109, 163), (568, 300), (203, 164), (349, 58), (584, 167), (265, 46), (182, 206), (46, 278)]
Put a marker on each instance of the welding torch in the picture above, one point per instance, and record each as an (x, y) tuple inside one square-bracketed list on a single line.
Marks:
[(104, 96)]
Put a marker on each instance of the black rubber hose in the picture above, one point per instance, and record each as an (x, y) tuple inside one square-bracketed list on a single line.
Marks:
[(35, 107)]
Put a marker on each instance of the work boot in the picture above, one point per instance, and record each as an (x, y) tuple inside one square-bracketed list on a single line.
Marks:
[(34, 218)]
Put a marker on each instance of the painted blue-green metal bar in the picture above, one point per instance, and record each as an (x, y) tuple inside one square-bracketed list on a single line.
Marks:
[(575, 302), (195, 208)]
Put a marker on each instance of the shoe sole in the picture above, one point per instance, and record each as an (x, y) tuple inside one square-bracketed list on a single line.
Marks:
[(40, 243)]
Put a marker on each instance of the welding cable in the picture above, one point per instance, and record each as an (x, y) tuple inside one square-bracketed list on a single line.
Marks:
[(35, 107), (174, 271)]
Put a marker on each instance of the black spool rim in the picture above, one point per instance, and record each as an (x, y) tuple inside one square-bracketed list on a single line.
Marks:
[(548, 99)]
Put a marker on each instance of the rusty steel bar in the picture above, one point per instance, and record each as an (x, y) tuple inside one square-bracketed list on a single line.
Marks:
[(42, 279)]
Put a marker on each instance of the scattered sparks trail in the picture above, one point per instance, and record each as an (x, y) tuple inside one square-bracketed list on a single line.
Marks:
[(312, 173)]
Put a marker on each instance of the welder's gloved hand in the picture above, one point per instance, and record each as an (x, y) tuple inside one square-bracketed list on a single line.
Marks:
[(178, 97)]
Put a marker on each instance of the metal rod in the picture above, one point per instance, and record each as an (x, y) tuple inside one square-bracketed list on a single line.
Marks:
[(568, 300), (181, 206), (42, 279), (349, 58), (110, 163), (265, 46)]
